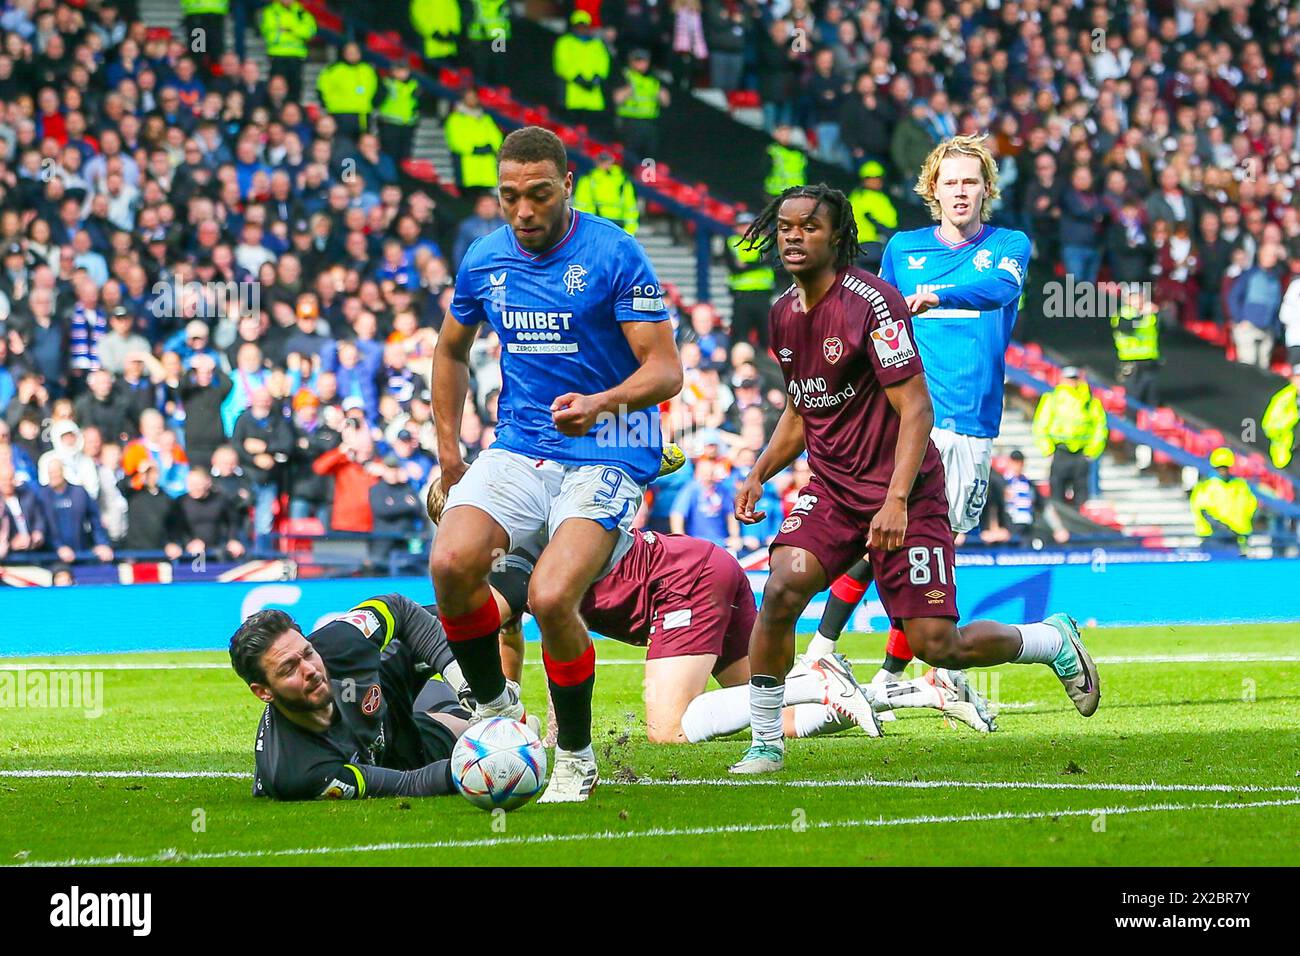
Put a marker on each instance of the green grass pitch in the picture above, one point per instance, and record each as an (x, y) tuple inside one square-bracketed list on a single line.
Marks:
[(1193, 759)]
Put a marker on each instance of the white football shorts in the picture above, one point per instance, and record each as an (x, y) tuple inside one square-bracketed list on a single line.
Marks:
[(532, 497), (966, 461)]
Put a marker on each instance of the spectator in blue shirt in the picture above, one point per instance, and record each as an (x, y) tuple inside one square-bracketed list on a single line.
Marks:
[(705, 508), (486, 218), (1254, 304), (73, 519)]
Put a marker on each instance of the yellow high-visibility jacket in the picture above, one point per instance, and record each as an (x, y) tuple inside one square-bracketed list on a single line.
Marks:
[(474, 141), (583, 65), (438, 22), (1280, 420), (608, 193), (286, 30), (1073, 417), (1230, 502)]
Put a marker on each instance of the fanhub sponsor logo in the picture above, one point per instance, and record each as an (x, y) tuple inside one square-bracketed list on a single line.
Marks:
[(809, 393), (50, 689), (77, 909)]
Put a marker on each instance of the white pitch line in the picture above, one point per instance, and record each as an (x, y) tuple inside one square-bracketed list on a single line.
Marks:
[(1226, 658), (176, 856), (192, 666), (869, 783), (863, 782), (129, 774)]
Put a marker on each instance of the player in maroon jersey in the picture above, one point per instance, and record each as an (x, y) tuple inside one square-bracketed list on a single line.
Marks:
[(860, 408), (690, 604)]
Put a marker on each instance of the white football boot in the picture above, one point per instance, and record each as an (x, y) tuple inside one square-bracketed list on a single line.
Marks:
[(844, 695), (573, 777)]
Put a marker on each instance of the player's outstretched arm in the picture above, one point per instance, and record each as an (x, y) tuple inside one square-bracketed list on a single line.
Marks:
[(658, 379), (786, 445), (450, 386), (996, 288), (358, 781), (910, 398)]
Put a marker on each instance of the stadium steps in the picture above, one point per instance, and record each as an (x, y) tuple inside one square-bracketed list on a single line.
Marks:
[(674, 263), (1137, 501)]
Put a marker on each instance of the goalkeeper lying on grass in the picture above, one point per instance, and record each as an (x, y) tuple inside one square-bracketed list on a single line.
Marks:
[(350, 709), (689, 602)]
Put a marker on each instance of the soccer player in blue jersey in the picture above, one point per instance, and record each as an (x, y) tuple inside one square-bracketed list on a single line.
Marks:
[(587, 355), (962, 280)]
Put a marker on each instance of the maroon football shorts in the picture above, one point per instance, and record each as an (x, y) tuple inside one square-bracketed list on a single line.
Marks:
[(715, 617), (914, 581)]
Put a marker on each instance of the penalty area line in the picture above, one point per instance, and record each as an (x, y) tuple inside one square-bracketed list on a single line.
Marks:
[(178, 856), (1225, 658), (858, 782), (869, 783)]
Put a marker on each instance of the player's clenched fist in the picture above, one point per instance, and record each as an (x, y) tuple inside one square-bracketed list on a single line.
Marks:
[(575, 414), (452, 472), (749, 494), (889, 526)]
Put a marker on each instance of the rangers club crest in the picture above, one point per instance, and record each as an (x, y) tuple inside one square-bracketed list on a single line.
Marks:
[(575, 279), (983, 260), (833, 349)]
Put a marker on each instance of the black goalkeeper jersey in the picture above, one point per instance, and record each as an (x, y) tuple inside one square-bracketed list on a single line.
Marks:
[(375, 675)]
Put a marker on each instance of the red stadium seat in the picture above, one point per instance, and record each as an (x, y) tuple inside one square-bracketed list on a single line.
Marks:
[(451, 79), (1115, 400), (744, 100), (385, 44), (158, 33), (1100, 512), (1152, 536), (1033, 350), (421, 169), (300, 526)]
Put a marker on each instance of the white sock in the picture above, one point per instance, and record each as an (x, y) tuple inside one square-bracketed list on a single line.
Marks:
[(727, 710), (586, 753), (716, 714), (1040, 643), (804, 689), (820, 646), (886, 677), (909, 693), (813, 719), (765, 705), (500, 700)]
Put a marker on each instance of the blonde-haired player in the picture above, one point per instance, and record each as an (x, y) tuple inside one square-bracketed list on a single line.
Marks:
[(963, 280)]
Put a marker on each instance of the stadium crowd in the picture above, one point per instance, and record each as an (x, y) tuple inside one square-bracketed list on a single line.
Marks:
[(219, 305)]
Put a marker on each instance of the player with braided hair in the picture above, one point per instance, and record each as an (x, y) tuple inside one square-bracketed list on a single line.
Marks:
[(859, 407)]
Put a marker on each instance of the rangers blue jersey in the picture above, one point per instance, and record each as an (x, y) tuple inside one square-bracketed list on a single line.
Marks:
[(559, 317), (963, 340)]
